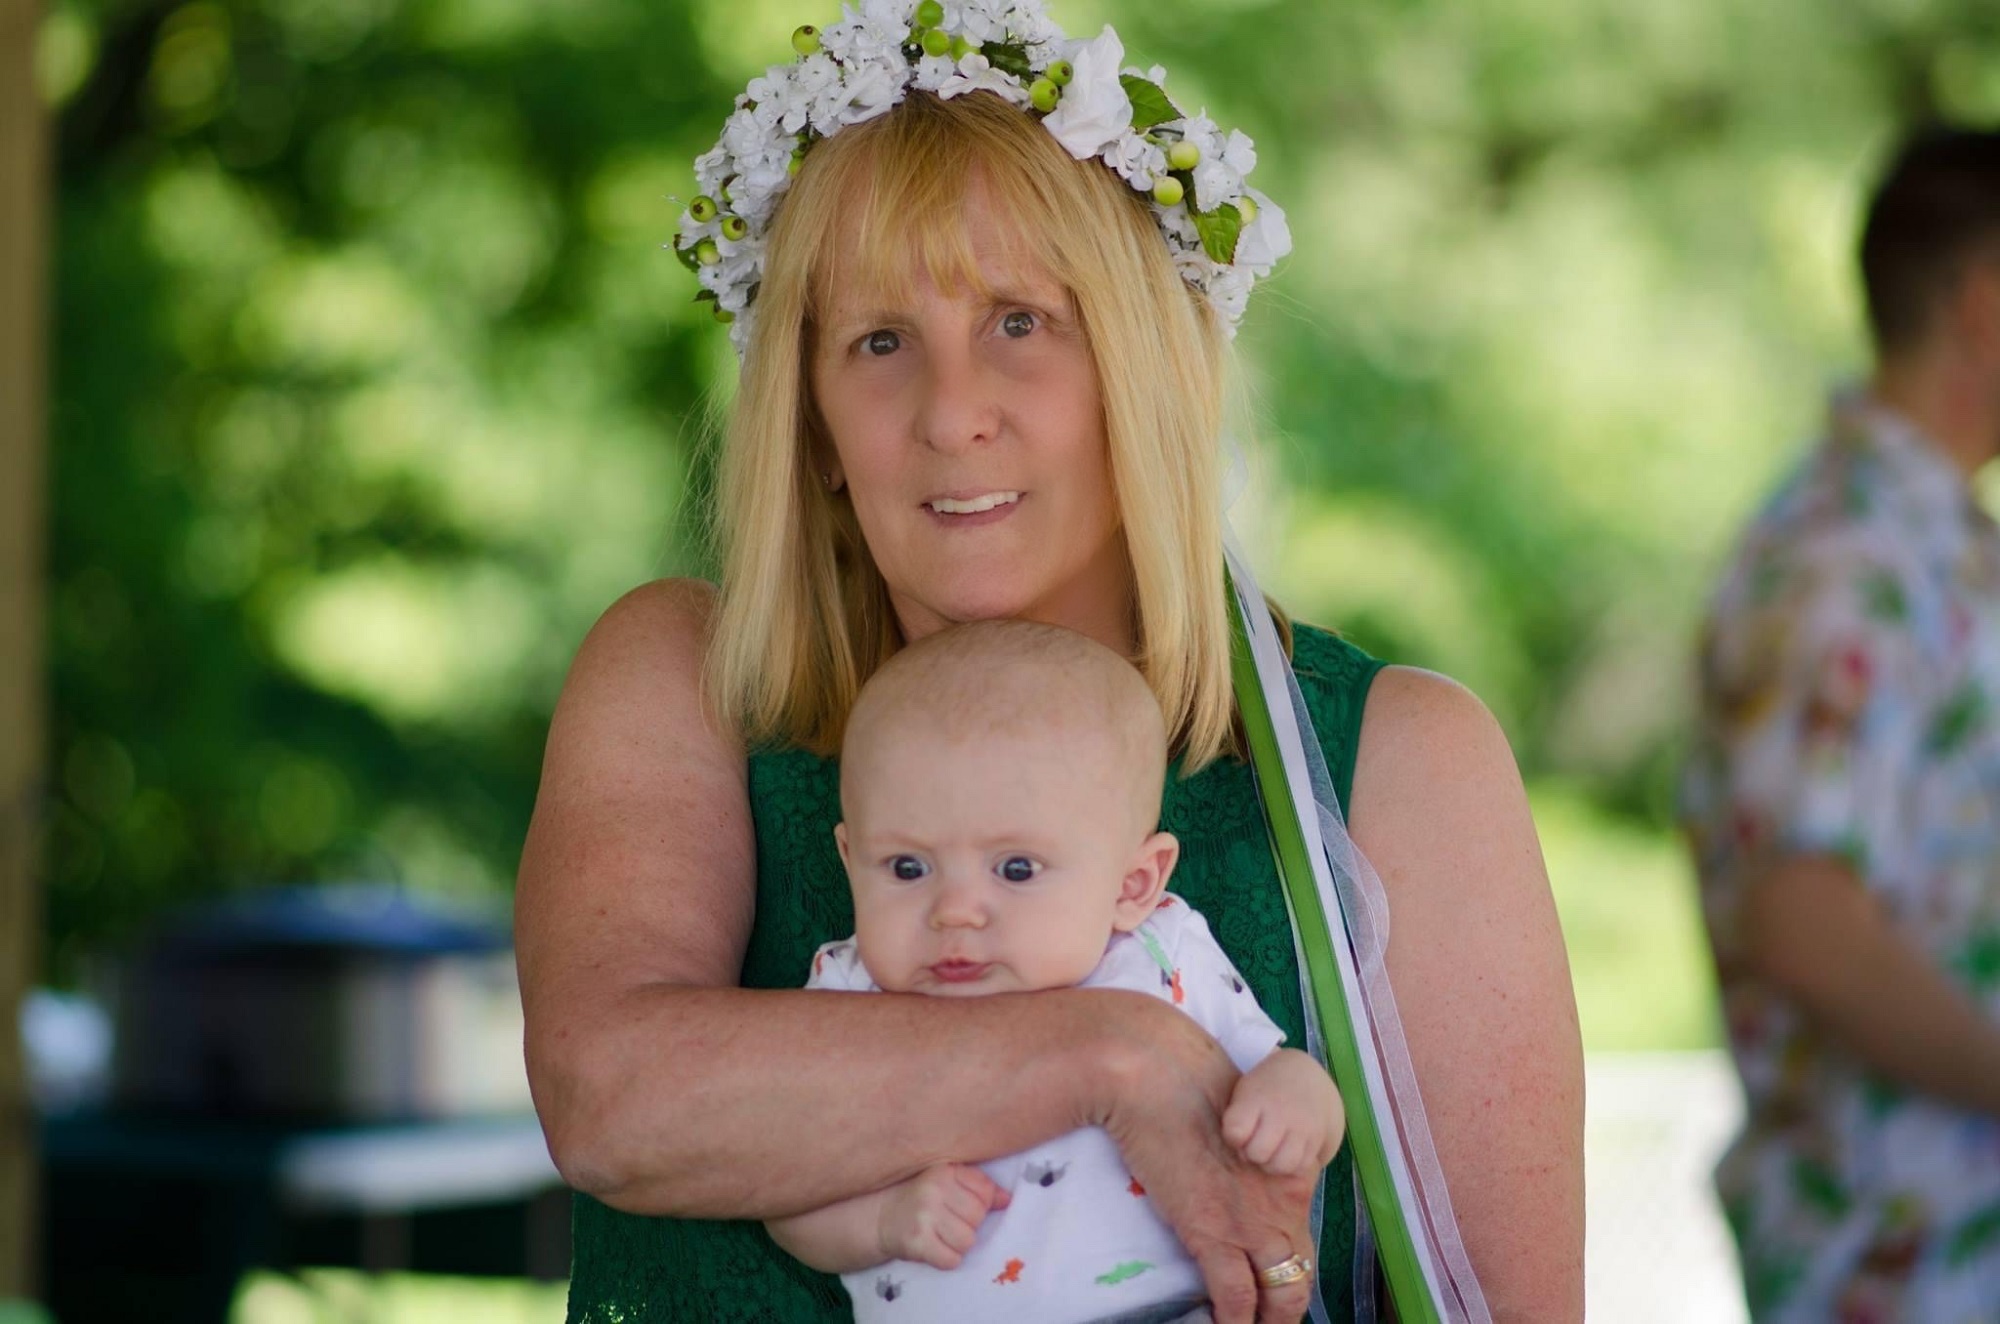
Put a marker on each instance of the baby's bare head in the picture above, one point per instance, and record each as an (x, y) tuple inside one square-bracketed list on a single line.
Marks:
[(1022, 681)]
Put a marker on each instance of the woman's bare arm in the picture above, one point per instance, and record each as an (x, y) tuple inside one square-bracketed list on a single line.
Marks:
[(1482, 982)]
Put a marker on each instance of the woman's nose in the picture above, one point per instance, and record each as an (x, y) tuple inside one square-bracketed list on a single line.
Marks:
[(963, 405)]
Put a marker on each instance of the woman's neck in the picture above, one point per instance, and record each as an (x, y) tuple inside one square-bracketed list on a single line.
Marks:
[(1100, 603)]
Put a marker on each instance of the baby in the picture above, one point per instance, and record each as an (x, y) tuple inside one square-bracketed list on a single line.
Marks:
[(1001, 785)]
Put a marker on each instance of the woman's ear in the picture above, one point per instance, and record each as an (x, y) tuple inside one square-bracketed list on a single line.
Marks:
[(1146, 880), (840, 841)]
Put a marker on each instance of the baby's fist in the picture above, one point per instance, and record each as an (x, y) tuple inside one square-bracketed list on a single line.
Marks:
[(1285, 1116), (934, 1216)]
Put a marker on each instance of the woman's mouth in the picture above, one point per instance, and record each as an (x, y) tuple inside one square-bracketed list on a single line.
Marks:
[(959, 510), (960, 972)]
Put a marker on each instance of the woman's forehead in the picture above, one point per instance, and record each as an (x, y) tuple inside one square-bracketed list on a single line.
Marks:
[(976, 245)]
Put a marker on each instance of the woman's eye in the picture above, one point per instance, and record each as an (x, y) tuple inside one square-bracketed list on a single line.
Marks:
[(1017, 325), (1018, 868), (880, 343), (907, 867)]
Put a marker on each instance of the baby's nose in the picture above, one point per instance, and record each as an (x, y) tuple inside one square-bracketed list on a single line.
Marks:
[(958, 906)]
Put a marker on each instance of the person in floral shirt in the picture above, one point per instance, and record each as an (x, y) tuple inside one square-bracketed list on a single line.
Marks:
[(1842, 799)]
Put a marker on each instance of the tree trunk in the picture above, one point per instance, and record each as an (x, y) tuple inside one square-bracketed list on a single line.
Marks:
[(23, 203)]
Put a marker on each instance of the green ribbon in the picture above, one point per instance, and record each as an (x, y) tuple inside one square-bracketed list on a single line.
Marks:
[(1396, 1244)]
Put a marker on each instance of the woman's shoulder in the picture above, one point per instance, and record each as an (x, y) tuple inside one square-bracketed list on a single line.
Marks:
[(1396, 723), (636, 678)]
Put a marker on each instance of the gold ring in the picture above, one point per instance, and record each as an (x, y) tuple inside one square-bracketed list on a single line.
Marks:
[(1294, 1269)]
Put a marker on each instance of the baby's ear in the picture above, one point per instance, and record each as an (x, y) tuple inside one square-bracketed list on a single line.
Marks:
[(840, 840), (1146, 880)]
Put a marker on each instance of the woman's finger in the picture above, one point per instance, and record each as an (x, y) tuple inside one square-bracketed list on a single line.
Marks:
[(1286, 1303), (1232, 1290)]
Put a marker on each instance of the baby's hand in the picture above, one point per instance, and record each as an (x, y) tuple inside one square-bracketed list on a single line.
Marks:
[(1285, 1115), (933, 1217)]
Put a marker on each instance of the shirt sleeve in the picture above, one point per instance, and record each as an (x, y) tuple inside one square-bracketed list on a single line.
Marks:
[(1212, 991), (837, 966), (1827, 696)]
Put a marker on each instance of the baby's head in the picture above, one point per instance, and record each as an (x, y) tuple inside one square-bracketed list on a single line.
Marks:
[(1000, 784)]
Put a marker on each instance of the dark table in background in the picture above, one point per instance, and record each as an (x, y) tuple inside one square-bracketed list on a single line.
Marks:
[(158, 1218)]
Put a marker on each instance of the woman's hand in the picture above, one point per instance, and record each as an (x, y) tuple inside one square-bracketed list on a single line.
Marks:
[(1233, 1217)]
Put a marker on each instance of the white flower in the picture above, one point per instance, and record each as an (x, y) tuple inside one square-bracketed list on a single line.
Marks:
[(711, 168), (1157, 75), (1138, 160), (977, 74), (932, 72), (1094, 109), (1228, 291), (983, 21), (1224, 161), (813, 81), (1266, 239), (874, 88)]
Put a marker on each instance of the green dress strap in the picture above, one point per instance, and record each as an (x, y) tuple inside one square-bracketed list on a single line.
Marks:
[(628, 1269)]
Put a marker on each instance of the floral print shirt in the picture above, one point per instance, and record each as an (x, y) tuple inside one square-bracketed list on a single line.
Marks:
[(1850, 706)]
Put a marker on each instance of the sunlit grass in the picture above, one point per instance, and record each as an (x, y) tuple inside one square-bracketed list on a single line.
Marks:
[(344, 1296)]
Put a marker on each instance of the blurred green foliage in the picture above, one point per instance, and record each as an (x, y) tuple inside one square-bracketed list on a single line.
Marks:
[(374, 385)]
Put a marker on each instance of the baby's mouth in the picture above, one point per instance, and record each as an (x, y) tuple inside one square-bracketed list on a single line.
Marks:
[(960, 972)]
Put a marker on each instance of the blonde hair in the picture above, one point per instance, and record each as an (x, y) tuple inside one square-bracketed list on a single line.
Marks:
[(804, 617)]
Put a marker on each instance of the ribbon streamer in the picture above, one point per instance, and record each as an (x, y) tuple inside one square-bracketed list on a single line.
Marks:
[(1340, 927)]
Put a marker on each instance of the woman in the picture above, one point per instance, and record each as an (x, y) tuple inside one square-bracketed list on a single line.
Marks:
[(978, 386)]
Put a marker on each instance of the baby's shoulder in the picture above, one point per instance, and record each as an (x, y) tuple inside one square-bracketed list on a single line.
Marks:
[(1150, 957), (837, 966)]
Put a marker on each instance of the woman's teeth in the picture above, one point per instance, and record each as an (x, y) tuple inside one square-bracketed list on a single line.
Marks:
[(946, 506)]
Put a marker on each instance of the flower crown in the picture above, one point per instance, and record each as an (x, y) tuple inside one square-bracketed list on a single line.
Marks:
[(1223, 235)]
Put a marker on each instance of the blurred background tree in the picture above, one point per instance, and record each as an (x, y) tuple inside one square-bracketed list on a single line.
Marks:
[(374, 386)]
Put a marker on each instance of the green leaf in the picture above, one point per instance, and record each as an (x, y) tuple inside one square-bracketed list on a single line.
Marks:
[(1220, 229), (1818, 1187), (705, 296), (1009, 57), (1960, 718), (1149, 102), (1974, 1236), (1121, 1272), (687, 257)]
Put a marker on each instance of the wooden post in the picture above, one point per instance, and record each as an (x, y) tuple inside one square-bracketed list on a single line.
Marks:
[(23, 319)]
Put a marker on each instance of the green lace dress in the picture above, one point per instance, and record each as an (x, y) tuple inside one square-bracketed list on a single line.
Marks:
[(634, 1270)]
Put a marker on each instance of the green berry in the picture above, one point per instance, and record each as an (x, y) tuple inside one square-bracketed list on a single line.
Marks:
[(792, 166), (1043, 95), (707, 253), (929, 14), (1183, 155), (1246, 207), (702, 209), (1166, 191), (962, 46), (724, 316), (734, 227), (1061, 72), (936, 43), (806, 40)]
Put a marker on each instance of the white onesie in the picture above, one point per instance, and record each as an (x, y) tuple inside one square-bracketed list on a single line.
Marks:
[(1080, 1242)]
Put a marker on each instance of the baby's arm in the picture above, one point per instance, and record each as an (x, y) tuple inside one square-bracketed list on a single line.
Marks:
[(1285, 1115), (932, 1218)]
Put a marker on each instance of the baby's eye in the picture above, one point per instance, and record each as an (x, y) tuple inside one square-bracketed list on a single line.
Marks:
[(1018, 868), (1017, 324), (907, 867), (880, 344)]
